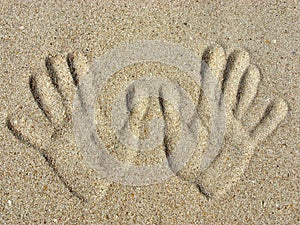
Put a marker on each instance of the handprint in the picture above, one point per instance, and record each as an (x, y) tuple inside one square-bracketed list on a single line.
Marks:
[(53, 137), (214, 173)]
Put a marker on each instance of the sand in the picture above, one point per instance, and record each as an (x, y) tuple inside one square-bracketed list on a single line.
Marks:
[(45, 177)]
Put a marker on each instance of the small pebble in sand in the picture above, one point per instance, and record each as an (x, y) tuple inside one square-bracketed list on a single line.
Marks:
[(9, 202)]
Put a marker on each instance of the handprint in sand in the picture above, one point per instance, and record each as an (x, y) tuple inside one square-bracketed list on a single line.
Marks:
[(50, 130), (214, 171)]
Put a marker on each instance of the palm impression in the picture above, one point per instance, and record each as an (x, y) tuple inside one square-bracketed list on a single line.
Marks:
[(53, 92), (213, 171)]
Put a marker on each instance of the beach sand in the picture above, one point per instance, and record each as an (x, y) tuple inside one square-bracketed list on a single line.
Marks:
[(33, 191)]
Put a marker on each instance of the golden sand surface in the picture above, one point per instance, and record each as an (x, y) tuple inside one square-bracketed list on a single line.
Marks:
[(46, 180)]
